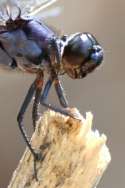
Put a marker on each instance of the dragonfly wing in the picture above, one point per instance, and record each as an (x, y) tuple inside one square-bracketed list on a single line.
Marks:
[(28, 7), (42, 5)]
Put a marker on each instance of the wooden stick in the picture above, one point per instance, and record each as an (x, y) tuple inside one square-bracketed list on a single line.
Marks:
[(74, 156)]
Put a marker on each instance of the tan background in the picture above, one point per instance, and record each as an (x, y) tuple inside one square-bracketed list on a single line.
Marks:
[(102, 92)]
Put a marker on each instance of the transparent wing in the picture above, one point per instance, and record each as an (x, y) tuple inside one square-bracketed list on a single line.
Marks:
[(33, 7), (39, 5)]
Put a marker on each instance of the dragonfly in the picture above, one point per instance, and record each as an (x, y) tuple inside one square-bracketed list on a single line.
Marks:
[(36, 48)]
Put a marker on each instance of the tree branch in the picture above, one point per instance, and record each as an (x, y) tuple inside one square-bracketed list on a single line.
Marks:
[(74, 156)]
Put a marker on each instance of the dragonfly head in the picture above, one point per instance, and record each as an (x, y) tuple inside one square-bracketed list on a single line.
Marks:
[(81, 55)]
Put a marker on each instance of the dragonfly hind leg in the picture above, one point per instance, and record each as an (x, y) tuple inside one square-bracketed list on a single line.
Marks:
[(35, 109), (20, 118), (35, 87), (35, 112)]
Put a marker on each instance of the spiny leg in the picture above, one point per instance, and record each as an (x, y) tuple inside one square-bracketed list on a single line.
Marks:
[(60, 93), (21, 114), (50, 106), (46, 90), (62, 99), (38, 85), (35, 86), (34, 120), (35, 113)]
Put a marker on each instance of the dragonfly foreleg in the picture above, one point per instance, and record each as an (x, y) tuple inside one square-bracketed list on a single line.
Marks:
[(60, 93)]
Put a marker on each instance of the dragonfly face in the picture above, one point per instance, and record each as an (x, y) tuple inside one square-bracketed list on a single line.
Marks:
[(82, 54), (44, 51)]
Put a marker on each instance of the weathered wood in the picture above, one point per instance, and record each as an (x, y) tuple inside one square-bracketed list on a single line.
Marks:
[(74, 155)]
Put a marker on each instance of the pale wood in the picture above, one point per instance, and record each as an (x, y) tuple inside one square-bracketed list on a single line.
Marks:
[(74, 155)]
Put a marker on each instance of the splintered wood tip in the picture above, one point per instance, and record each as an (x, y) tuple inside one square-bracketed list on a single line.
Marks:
[(74, 156)]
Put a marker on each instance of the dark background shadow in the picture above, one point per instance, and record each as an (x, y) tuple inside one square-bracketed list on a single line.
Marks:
[(102, 92)]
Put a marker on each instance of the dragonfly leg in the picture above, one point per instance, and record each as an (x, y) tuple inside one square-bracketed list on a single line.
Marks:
[(60, 93), (35, 109), (35, 112), (52, 107), (63, 101), (21, 114)]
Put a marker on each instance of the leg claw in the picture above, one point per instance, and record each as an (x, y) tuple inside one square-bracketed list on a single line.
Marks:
[(38, 156), (73, 113)]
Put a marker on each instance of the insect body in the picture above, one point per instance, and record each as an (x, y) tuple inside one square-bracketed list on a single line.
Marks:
[(41, 50)]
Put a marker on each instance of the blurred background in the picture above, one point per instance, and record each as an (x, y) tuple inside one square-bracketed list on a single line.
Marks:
[(102, 92)]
